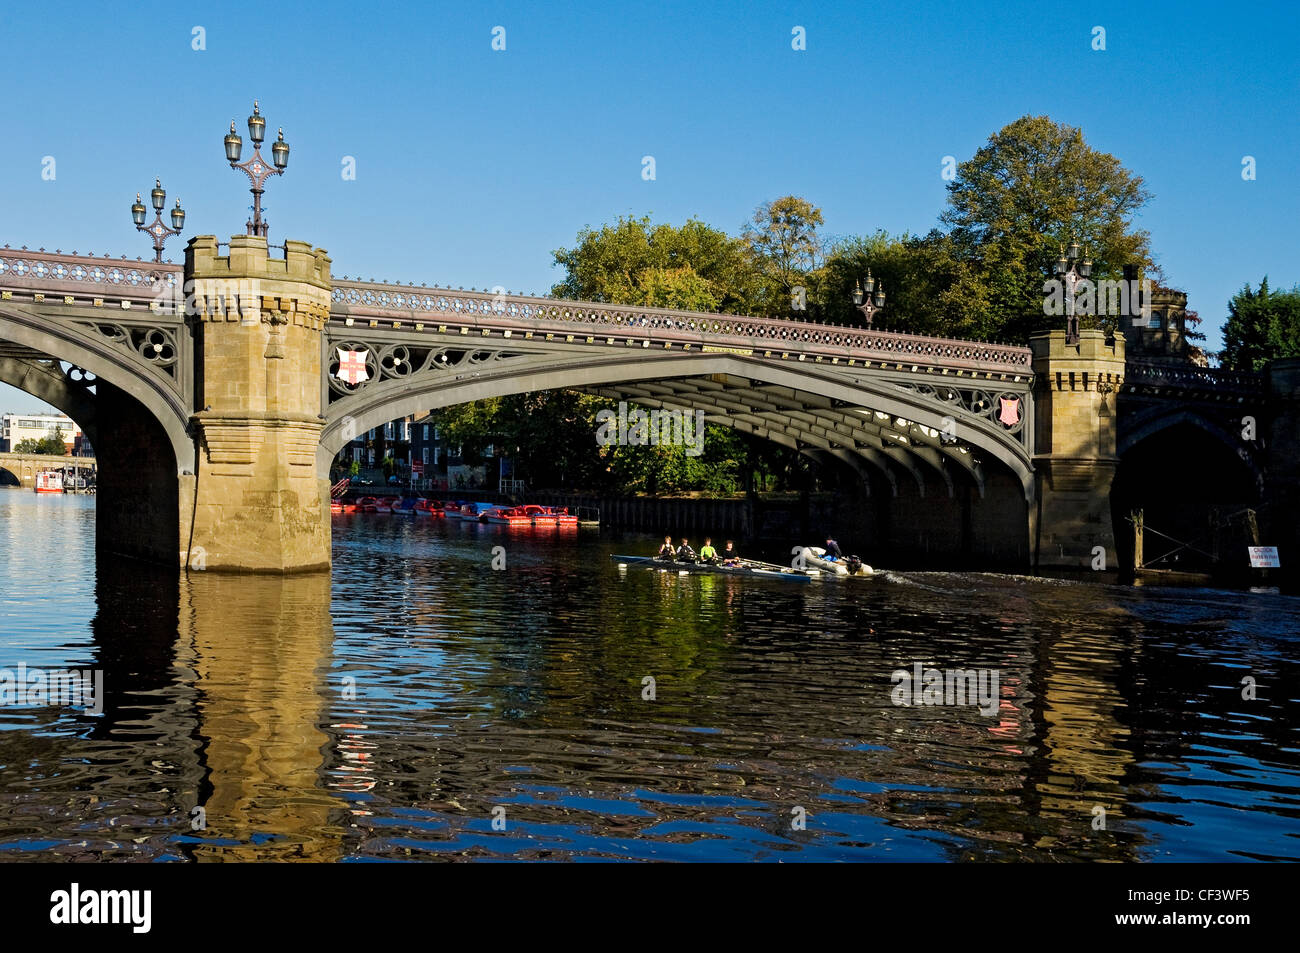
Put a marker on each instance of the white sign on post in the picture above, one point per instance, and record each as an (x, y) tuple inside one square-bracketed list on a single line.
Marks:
[(1263, 557)]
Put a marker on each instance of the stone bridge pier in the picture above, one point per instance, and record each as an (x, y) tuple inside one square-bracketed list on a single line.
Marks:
[(256, 503), (1075, 392)]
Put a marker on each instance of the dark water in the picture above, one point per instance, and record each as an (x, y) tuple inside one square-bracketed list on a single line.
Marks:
[(388, 712)]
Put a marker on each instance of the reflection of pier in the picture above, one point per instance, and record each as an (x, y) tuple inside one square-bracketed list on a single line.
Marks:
[(260, 648)]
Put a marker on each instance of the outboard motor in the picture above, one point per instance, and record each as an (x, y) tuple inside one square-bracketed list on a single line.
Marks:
[(854, 565)]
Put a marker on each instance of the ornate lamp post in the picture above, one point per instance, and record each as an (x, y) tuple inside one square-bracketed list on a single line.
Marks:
[(256, 168), (158, 230), (865, 301), (1070, 268)]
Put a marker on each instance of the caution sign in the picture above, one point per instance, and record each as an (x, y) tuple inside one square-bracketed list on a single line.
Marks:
[(1263, 557)]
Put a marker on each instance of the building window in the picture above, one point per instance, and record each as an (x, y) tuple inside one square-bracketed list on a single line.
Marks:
[(426, 431), (425, 453)]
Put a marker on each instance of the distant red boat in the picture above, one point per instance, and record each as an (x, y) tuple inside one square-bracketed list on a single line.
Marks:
[(541, 515), (367, 504), (562, 516), (341, 506), (508, 516), (429, 508)]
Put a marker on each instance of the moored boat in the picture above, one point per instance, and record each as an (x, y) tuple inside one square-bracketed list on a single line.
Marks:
[(49, 481), (540, 515), (508, 516), (424, 507)]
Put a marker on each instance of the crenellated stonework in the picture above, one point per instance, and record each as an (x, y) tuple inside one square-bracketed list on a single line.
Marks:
[(1076, 386), (257, 503)]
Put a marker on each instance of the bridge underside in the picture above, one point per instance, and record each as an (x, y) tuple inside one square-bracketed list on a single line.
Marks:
[(925, 474), (138, 514)]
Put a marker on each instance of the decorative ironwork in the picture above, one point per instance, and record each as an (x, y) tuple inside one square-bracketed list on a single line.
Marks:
[(158, 231), (1004, 409), (156, 346), (1187, 379), (522, 314), (385, 362), (81, 276), (256, 168)]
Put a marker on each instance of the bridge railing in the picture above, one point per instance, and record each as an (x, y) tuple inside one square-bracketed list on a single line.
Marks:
[(82, 279), (1189, 377), (484, 310)]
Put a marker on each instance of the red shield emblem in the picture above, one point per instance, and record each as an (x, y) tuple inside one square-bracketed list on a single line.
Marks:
[(1009, 410), (352, 366)]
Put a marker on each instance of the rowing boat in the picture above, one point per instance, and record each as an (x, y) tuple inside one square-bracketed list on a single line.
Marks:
[(816, 556), (747, 567)]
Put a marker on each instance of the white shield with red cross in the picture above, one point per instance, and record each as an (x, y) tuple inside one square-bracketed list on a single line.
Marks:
[(352, 366)]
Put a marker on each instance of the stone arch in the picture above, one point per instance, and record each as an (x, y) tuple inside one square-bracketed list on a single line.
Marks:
[(1152, 422)]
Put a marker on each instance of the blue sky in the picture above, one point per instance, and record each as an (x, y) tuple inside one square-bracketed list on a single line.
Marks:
[(473, 165)]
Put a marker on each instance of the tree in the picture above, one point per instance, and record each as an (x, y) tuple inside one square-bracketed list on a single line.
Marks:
[(930, 288), (636, 262), (52, 444), (1033, 187), (783, 242), (1262, 325)]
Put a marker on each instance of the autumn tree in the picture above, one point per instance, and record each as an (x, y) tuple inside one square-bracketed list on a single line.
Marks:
[(1033, 187)]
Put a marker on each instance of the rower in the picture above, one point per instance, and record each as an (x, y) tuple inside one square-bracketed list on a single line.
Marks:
[(707, 553), (666, 551), (833, 550), (730, 555), (685, 553)]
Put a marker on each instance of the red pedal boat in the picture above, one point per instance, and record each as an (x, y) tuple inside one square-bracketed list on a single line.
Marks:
[(509, 516)]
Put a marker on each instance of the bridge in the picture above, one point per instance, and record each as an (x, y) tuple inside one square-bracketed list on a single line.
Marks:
[(24, 466), (225, 387)]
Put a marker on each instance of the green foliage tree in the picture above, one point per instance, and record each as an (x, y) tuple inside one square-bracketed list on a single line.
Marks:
[(637, 262), (1024, 195), (52, 444), (930, 288), (1262, 325), (785, 250)]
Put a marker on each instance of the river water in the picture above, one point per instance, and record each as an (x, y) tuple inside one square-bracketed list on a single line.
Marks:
[(420, 704)]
